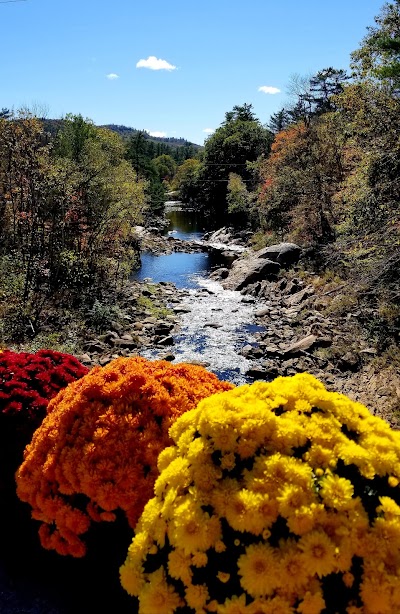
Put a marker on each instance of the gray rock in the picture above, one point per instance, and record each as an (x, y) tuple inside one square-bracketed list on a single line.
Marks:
[(182, 309), (284, 253), (303, 344), (299, 297), (256, 270), (165, 341)]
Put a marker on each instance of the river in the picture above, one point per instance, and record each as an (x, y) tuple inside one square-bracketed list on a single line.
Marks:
[(220, 322)]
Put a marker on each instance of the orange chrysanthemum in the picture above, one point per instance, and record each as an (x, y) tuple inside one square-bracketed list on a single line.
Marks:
[(101, 439)]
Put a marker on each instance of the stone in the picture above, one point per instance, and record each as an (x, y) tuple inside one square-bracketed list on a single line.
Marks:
[(262, 312), (165, 341), (300, 296), (284, 253), (303, 344), (181, 309)]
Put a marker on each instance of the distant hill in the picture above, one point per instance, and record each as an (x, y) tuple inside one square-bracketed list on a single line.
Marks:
[(54, 125), (126, 132)]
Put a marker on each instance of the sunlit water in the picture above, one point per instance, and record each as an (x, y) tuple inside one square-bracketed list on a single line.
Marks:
[(219, 323)]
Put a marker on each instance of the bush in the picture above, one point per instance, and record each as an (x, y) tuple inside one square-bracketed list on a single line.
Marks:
[(96, 452), (28, 381), (276, 498)]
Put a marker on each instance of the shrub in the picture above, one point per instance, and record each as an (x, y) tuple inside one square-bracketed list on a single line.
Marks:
[(28, 381), (97, 449), (276, 498)]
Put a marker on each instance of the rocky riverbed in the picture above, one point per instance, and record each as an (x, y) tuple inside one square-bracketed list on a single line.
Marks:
[(300, 331)]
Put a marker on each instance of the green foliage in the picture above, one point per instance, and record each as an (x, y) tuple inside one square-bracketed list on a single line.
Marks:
[(379, 54), (185, 180), (239, 140), (67, 214)]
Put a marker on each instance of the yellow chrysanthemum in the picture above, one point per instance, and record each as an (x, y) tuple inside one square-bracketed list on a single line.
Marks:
[(376, 596), (197, 596), (192, 529), (258, 570), (312, 603), (179, 566), (293, 498), (236, 605), (336, 492), (276, 495), (132, 579), (319, 553), (158, 596), (293, 571)]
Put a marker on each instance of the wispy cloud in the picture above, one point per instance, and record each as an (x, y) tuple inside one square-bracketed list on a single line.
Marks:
[(157, 133), (209, 130), (154, 63), (268, 89), (112, 76)]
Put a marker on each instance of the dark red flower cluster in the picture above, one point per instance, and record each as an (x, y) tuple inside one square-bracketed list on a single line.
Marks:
[(28, 381)]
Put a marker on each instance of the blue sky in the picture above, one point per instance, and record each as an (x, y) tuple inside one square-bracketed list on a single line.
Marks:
[(92, 56)]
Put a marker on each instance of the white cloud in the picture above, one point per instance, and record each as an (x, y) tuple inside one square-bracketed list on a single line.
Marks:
[(268, 89), (160, 135), (155, 64), (209, 130), (112, 76)]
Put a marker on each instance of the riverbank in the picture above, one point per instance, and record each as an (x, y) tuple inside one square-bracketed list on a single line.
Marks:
[(304, 321)]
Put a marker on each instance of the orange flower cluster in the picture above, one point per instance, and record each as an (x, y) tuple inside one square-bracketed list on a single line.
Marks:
[(101, 439)]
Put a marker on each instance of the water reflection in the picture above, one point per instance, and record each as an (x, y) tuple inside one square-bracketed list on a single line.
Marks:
[(184, 224), (179, 268)]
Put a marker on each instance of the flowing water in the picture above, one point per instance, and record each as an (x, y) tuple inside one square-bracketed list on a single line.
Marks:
[(219, 322)]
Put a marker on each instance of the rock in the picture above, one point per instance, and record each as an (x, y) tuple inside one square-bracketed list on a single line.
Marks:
[(348, 362), (285, 254), (213, 325), (165, 341), (95, 346), (262, 312), (170, 357), (257, 269), (127, 337), (124, 343), (221, 273), (199, 363), (181, 309), (259, 373), (303, 344), (85, 359), (299, 297)]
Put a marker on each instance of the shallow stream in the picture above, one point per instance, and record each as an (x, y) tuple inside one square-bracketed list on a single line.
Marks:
[(220, 322)]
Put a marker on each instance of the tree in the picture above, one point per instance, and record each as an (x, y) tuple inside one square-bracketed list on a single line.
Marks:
[(239, 200), (67, 214), (279, 121), (379, 54), (326, 84), (185, 181), (239, 140), (165, 166)]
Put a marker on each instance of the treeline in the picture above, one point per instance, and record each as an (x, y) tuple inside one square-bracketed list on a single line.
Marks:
[(325, 172)]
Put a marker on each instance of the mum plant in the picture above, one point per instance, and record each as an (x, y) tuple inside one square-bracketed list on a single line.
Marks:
[(96, 451), (28, 381), (276, 498)]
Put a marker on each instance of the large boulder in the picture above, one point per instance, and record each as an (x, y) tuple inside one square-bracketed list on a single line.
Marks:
[(248, 270), (286, 254)]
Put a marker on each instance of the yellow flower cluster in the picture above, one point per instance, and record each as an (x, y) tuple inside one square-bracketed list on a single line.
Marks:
[(97, 449), (277, 498)]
